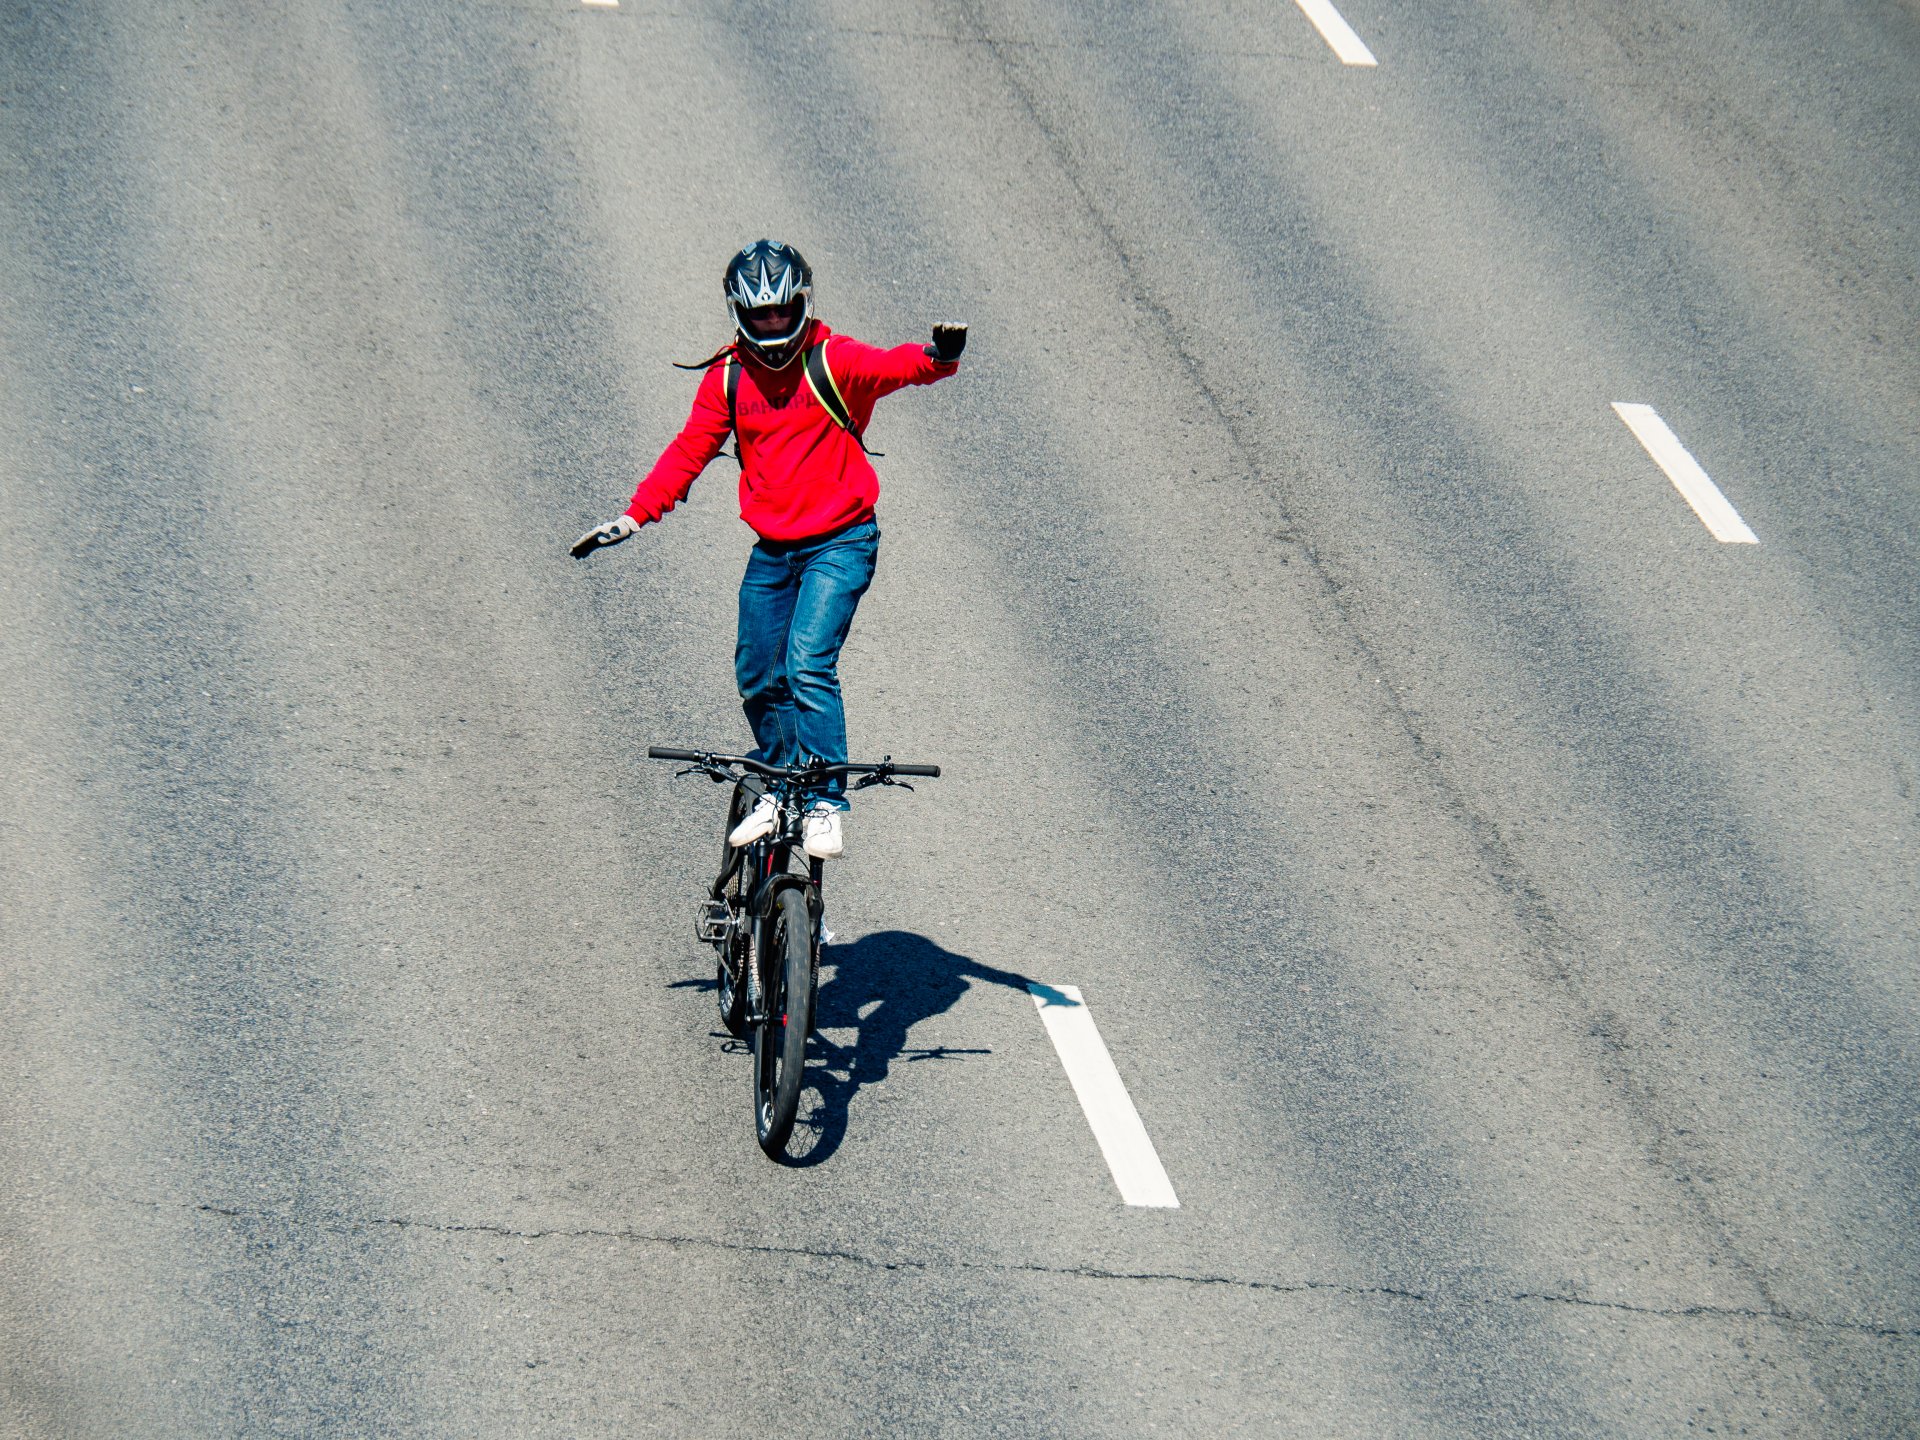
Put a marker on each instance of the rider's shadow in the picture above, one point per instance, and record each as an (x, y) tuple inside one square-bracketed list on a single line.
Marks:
[(881, 986)]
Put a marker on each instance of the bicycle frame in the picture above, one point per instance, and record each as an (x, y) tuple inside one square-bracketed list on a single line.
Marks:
[(767, 864), (769, 969)]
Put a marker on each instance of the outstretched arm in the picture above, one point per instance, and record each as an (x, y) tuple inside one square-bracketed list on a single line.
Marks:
[(673, 474), (690, 452), (866, 372)]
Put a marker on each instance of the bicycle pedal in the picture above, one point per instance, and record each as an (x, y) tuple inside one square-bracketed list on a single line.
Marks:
[(712, 921)]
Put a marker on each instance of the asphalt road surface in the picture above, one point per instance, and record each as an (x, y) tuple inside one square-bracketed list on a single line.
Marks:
[(1496, 893)]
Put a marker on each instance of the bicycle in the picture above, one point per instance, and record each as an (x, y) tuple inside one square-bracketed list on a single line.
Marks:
[(763, 917)]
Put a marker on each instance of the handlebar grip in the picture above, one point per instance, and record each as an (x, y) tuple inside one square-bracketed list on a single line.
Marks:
[(662, 752), (932, 772)]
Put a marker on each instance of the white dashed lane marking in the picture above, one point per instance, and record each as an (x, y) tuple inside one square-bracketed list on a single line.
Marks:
[(1336, 32), (1723, 522), (1116, 1124)]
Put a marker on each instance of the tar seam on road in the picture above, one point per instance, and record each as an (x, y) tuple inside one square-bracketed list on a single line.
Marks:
[(1723, 522), (1015, 1267), (1103, 1096), (1336, 32)]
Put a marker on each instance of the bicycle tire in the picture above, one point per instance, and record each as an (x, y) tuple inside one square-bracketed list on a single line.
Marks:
[(729, 988), (780, 1040)]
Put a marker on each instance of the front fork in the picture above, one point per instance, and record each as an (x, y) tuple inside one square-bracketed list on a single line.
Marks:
[(762, 954)]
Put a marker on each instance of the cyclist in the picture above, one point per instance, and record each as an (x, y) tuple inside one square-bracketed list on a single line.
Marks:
[(807, 489)]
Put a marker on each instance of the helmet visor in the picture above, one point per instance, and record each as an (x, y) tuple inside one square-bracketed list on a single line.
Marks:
[(772, 324)]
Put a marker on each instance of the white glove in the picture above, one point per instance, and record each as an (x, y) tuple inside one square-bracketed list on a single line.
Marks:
[(611, 533)]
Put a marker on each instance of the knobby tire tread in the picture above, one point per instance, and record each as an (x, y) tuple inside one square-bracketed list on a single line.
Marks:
[(780, 1043)]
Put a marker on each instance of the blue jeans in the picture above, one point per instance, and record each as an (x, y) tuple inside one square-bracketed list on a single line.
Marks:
[(796, 605)]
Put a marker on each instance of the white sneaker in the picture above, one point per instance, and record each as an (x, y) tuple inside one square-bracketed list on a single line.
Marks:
[(822, 837), (759, 822)]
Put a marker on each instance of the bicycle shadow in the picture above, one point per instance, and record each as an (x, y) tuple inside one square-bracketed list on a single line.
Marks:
[(880, 987)]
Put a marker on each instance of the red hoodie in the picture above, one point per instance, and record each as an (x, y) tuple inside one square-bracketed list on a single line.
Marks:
[(801, 475)]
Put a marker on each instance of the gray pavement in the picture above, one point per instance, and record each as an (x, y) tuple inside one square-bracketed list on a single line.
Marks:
[(1497, 895)]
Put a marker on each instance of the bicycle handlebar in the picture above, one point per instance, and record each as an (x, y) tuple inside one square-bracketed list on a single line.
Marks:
[(705, 758)]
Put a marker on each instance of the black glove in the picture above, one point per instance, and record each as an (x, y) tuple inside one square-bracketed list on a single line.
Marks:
[(949, 339), (611, 533)]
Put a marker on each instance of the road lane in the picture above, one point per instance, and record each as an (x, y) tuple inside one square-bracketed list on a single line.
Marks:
[(1791, 1122), (455, 717), (1084, 512)]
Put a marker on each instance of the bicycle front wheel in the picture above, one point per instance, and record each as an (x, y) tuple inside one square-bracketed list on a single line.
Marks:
[(780, 1041)]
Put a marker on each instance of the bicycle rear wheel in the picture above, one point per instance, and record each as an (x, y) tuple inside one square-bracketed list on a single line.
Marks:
[(780, 1041)]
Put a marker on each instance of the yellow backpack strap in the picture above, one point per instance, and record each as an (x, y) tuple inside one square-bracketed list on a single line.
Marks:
[(827, 391)]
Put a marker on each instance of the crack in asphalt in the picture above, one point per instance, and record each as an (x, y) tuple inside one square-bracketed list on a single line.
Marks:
[(1069, 1272)]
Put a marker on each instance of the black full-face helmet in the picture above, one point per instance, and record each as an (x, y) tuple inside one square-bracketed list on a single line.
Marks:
[(769, 290)]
